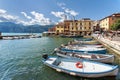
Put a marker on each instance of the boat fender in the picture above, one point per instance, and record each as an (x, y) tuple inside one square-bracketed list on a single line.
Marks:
[(79, 65)]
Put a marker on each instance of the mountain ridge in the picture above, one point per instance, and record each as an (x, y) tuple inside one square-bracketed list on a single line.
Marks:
[(11, 27)]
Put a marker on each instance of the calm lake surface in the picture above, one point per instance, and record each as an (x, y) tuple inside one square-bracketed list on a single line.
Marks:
[(21, 60)]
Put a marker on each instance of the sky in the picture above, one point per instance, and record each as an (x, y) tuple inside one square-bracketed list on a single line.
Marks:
[(47, 12)]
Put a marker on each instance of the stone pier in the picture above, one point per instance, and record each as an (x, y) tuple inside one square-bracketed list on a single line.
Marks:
[(113, 44)]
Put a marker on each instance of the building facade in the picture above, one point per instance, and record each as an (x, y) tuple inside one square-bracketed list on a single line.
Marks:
[(81, 27), (53, 29), (67, 27), (106, 22), (59, 29), (84, 26), (96, 26), (75, 27)]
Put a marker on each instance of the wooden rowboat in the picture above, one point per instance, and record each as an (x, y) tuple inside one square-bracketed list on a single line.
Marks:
[(83, 49), (105, 58), (83, 68)]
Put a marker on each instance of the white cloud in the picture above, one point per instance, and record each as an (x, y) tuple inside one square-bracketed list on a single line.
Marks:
[(67, 10), (61, 4), (2, 11), (71, 12), (40, 19), (36, 18), (25, 14), (4, 16), (60, 15), (66, 14)]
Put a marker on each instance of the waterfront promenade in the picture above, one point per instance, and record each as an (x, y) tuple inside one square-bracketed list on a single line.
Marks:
[(112, 43)]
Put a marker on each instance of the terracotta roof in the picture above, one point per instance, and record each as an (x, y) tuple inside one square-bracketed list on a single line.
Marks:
[(115, 14)]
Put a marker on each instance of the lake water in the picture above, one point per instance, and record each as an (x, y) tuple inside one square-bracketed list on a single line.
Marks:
[(21, 60)]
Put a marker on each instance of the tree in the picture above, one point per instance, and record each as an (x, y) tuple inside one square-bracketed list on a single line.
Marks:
[(116, 25)]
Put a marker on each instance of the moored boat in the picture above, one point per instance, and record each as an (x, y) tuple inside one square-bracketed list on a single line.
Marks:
[(81, 45), (34, 36), (81, 41), (83, 68), (71, 36), (8, 38), (84, 39), (83, 49), (84, 42), (105, 58)]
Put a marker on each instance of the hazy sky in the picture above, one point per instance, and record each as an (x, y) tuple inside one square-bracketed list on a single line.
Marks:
[(52, 11)]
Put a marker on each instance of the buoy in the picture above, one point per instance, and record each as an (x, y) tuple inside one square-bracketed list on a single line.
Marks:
[(79, 65)]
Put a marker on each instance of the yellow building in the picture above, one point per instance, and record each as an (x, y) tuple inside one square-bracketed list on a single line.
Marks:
[(59, 28), (81, 27), (106, 22), (75, 27), (87, 26)]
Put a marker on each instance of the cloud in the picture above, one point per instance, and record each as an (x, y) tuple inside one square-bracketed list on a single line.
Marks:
[(25, 14), (67, 10), (40, 19), (71, 12), (65, 14), (61, 4), (4, 16), (60, 15), (2, 11), (36, 18)]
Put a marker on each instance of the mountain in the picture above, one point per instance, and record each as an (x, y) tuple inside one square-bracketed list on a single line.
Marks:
[(10, 27)]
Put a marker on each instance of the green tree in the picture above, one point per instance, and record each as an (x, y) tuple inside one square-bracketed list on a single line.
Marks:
[(116, 25)]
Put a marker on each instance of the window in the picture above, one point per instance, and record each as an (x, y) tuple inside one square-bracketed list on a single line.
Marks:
[(89, 27), (84, 23), (81, 24), (84, 27), (112, 18), (80, 27), (76, 23), (57, 31), (89, 23)]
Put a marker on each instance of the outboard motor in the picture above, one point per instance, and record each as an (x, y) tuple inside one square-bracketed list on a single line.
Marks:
[(45, 56)]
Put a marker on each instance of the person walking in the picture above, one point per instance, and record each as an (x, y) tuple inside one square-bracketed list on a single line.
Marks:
[(112, 36)]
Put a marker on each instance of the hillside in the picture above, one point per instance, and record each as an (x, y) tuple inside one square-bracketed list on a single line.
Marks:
[(10, 27)]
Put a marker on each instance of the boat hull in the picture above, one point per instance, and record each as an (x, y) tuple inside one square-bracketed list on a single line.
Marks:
[(112, 72), (94, 51), (107, 59), (70, 36), (86, 75)]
